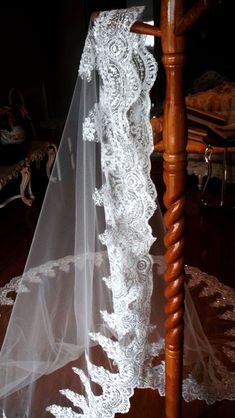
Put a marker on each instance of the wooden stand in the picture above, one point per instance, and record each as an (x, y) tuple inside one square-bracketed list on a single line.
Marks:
[(174, 24), (174, 139)]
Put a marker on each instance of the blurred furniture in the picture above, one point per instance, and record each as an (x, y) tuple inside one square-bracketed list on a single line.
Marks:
[(36, 151), (227, 144), (213, 112), (211, 132), (9, 173), (213, 95), (41, 138)]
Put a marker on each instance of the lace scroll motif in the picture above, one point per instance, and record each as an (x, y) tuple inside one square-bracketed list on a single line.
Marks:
[(87, 63), (120, 122), (218, 295)]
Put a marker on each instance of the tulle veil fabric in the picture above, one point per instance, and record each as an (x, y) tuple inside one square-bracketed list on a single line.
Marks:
[(88, 320)]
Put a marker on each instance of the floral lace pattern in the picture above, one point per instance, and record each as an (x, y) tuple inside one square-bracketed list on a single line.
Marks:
[(219, 381), (154, 377), (224, 296), (128, 195), (120, 124)]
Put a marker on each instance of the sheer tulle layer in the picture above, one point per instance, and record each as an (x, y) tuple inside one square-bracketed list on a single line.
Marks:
[(215, 305), (87, 326)]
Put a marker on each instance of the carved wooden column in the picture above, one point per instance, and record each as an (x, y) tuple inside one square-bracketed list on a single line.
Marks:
[(174, 138), (174, 25)]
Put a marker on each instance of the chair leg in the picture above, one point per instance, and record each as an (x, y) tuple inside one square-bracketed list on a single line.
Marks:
[(25, 181), (29, 189), (51, 153), (200, 181), (224, 177), (26, 175), (208, 155)]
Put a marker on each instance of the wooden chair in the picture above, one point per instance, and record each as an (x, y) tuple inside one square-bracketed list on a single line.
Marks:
[(9, 173), (226, 145), (35, 151), (208, 153)]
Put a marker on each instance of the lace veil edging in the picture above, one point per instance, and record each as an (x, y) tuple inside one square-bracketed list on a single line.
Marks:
[(88, 319)]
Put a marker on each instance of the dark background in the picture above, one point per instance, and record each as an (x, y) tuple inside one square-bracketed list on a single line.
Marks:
[(41, 42)]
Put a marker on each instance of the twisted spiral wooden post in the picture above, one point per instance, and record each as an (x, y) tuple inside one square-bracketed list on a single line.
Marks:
[(175, 138), (174, 276)]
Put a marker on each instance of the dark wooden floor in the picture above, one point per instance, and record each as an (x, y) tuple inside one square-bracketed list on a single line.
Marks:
[(210, 245)]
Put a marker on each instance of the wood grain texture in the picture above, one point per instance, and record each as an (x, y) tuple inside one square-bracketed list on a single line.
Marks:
[(174, 139), (146, 29)]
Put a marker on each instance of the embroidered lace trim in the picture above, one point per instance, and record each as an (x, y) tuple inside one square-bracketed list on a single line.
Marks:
[(223, 297), (120, 122)]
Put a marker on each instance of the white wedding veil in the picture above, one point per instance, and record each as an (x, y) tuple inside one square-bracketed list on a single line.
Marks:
[(88, 320)]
